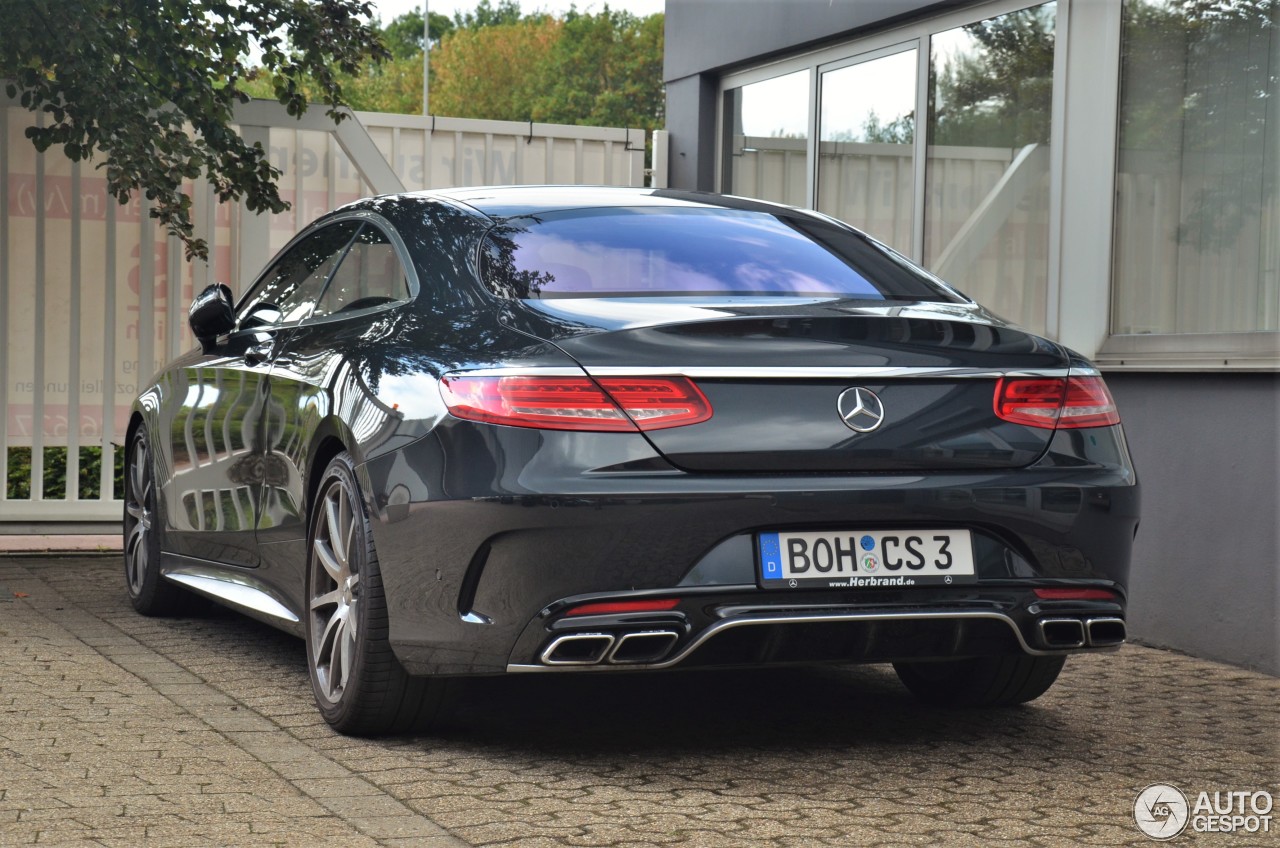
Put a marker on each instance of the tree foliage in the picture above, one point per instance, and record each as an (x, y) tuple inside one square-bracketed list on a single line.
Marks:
[(149, 87), (403, 36), (998, 90)]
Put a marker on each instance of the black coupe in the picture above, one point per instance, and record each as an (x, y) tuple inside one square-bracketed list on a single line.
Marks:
[(566, 430)]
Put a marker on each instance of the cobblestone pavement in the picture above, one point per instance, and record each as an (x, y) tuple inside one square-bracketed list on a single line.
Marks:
[(121, 730)]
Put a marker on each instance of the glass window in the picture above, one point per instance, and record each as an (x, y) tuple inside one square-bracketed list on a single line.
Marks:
[(1197, 221), (866, 137), (370, 275), (768, 139), (663, 252), (289, 289), (987, 174)]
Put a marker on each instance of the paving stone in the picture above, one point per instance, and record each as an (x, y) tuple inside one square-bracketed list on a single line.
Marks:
[(120, 730)]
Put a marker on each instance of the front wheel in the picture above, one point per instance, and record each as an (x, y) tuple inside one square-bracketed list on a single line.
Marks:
[(359, 686), (980, 681)]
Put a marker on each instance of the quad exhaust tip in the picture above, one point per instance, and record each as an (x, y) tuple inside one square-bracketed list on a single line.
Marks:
[(1062, 632), (646, 646), (578, 649), (1105, 632)]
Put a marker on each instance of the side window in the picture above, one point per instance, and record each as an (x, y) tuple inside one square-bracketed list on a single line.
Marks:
[(287, 292), (370, 275)]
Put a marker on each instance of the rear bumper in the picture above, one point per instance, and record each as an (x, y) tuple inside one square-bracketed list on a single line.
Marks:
[(481, 556)]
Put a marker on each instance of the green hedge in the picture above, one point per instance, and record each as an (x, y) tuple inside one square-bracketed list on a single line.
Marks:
[(55, 473)]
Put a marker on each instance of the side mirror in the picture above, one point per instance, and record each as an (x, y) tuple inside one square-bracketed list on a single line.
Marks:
[(212, 314)]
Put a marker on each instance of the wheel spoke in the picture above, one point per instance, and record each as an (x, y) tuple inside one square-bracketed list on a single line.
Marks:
[(350, 514), (348, 640), (136, 556), (333, 524), (329, 651), (328, 561), (326, 600)]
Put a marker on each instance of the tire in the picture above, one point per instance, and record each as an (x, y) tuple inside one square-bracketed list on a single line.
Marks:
[(359, 685), (980, 681), (148, 591)]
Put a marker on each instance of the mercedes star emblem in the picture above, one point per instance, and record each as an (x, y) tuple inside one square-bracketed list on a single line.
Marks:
[(860, 409)]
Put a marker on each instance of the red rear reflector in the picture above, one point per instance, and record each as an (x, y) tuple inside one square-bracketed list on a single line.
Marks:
[(1067, 594), (624, 606), (1051, 402), (577, 403)]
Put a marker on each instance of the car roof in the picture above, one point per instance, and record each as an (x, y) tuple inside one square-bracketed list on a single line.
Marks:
[(513, 201)]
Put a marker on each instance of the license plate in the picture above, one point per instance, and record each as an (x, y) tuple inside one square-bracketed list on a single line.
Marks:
[(865, 559)]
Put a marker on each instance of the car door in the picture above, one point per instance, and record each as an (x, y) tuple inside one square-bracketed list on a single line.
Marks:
[(315, 376), (215, 431)]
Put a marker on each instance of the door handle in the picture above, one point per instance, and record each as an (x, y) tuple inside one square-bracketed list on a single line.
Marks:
[(258, 354)]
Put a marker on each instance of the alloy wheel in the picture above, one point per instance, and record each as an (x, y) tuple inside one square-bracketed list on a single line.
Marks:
[(139, 499), (334, 604)]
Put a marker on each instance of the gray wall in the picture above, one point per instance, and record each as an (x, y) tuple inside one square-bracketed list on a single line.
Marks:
[(1207, 450)]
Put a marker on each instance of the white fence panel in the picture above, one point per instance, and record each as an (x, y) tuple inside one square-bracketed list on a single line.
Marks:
[(94, 295)]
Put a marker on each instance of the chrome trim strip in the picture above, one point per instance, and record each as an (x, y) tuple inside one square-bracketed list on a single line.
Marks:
[(752, 620), (866, 372), (238, 593)]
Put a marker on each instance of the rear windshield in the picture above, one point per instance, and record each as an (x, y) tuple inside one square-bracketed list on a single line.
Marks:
[(665, 252)]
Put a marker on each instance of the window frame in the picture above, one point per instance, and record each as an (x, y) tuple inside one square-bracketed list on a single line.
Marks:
[(919, 33), (1083, 179), (361, 216)]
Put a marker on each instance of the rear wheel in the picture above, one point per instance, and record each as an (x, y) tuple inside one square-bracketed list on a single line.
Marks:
[(149, 592), (980, 681), (360, 687)]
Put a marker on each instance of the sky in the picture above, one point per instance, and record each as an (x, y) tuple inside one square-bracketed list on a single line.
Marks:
[(389, 10)]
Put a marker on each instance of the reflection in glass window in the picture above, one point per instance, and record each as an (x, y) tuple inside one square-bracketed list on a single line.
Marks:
[(647, 252), (768, 140), (370, 275), (1197, 221), (866, 139), (289, 289), (987, 175)]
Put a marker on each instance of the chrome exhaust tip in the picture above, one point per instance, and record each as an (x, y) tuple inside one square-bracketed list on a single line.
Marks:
[(1062, 632), (646, 646), (577, 649), (1105, 632)]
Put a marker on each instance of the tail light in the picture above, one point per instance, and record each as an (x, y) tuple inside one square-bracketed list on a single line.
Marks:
[(577, 403), (1070, 402)]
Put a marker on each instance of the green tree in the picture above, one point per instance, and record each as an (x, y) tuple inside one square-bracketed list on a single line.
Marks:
[(486, 14), (403, 36), (604, 70), (150, 86), (494, 71)]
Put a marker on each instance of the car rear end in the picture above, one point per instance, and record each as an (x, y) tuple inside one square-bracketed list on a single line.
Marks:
[(771, 440)]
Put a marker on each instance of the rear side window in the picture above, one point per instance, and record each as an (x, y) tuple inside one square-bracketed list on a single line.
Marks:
[(288, 291), (666, 252), (370, 275)]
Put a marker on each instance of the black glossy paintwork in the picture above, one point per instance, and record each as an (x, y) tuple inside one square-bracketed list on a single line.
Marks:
[(481, 528)]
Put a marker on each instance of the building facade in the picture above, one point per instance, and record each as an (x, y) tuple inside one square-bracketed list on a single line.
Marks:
[(1104, 172)]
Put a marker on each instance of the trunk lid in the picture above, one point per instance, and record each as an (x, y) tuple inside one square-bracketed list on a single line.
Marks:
[(916, 382)]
